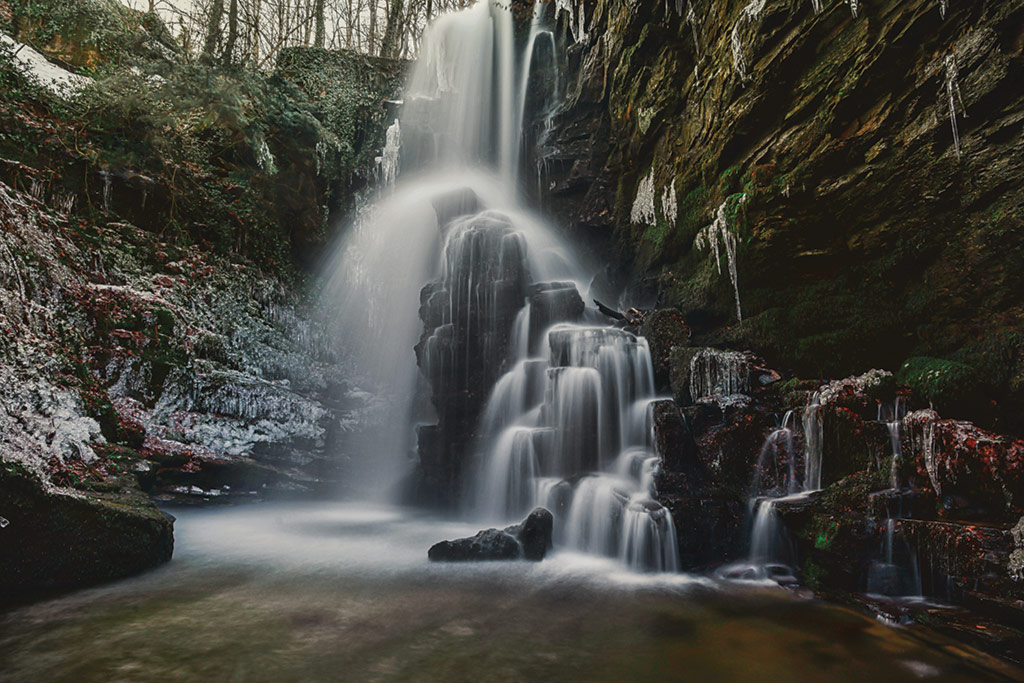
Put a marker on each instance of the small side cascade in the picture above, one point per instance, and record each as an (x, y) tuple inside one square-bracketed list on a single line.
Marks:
[(813, 436), (897, 572), (777, 479), (388, 161), (777, 462)]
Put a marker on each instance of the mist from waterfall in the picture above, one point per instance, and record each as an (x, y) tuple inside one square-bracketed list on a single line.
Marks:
[(448, 261)]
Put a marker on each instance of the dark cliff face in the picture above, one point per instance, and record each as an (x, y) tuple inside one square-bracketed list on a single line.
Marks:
[(865, 231)]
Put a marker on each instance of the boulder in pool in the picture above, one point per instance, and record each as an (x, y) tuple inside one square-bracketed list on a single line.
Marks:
[(529, 540)]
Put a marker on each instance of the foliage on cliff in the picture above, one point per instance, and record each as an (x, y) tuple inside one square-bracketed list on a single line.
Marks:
[(232, 160)]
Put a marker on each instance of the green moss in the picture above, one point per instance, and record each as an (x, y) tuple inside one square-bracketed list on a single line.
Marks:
[(942, 382)]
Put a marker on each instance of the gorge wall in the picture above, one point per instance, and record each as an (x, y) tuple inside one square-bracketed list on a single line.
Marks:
[(856, 169)]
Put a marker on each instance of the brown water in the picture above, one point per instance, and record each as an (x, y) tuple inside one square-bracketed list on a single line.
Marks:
[(345, 593)]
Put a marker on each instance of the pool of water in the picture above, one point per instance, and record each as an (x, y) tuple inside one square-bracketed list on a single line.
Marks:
[(345, 592)]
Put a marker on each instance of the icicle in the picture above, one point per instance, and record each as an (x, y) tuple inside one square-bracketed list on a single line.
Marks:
[(577, 20), (929, 457), (943, 7), (691, 19), (668, 203), (854, 7), (710, 237), (643, 205), (107, 191), (816, 6), (953, 90), (751, 12)]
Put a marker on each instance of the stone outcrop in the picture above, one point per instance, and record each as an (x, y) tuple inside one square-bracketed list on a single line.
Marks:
[(59, 539), (529, 540)]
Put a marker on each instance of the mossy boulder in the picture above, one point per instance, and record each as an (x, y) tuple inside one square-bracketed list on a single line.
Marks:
[(58, 539)]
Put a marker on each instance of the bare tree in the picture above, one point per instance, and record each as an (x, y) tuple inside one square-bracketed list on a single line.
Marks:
[(212, 32)]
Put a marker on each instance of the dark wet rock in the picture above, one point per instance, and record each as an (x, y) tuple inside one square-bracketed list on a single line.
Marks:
[(491, 544), (673, 439), (529, 540), (463, 346), (455, 204), (664, 329), (552, 302), (535, 534), (58, 539), (850, 443)]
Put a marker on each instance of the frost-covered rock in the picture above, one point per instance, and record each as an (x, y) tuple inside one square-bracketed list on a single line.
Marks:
[(971, 469)]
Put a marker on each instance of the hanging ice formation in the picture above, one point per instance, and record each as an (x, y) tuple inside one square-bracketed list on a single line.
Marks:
[(953, 91), (668, 203), (577, 19), (854, 7), (943, 8), (643, 204), (816, 6), (718, 233), (749, 14), (718, 373)]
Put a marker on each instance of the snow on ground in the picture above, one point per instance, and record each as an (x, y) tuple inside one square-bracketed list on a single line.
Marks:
[(57, 80)]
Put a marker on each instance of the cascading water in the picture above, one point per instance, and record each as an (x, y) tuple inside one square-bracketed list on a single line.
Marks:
[(888, 576), (532, 400), (777, 480), (572, 431)]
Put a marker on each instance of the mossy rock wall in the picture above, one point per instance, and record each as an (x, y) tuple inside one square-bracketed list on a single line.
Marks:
[(867, 233)]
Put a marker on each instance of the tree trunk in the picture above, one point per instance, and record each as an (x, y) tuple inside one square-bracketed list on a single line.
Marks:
[(390, 44), (229, 44), (318, 37), (212, 32), (371, 39)]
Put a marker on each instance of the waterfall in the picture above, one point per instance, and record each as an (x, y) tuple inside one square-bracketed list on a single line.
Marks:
[(514, 396)]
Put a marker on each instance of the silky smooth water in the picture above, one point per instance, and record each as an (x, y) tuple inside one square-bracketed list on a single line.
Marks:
[(345, 592)]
